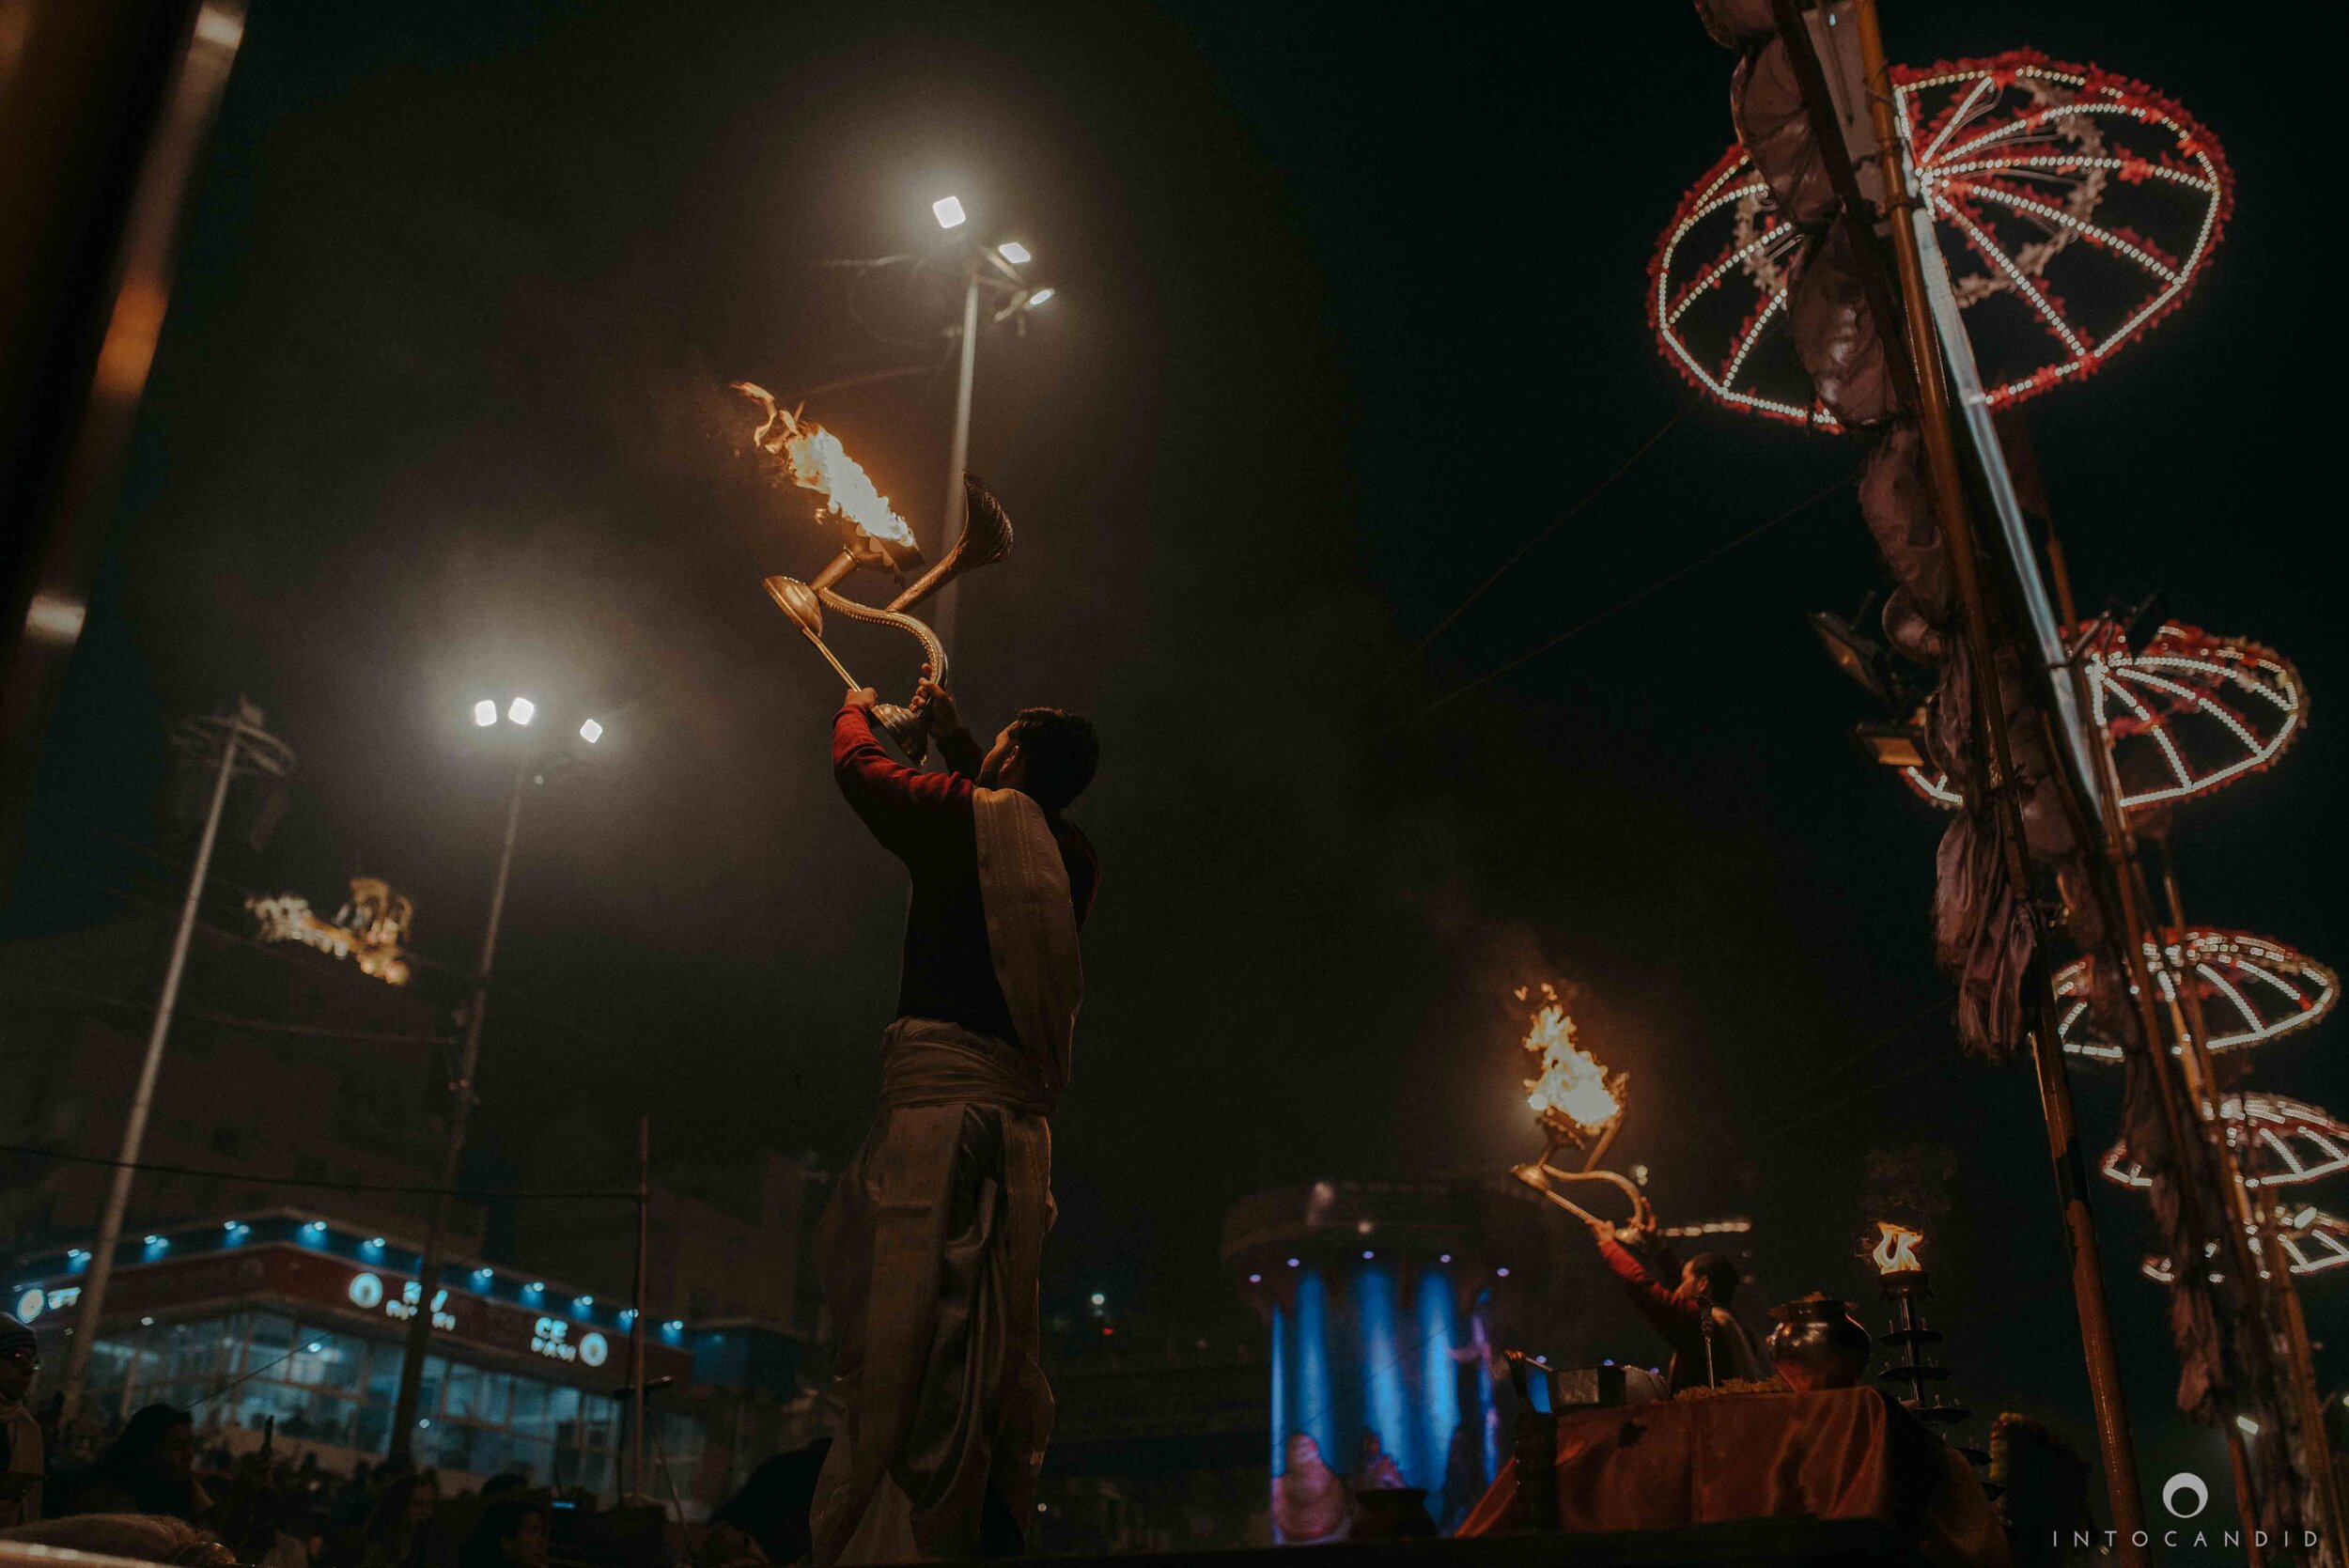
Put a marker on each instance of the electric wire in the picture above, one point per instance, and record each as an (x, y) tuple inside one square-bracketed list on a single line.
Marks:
[(230, 1021), (1617, 608), (317, 1184), (1522, 551), (1885, 1038)]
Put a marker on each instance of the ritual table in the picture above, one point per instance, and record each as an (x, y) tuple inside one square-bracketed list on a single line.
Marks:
[(1835, 1453)]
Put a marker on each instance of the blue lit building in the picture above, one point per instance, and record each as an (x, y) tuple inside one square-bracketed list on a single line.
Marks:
[(1387, 1304), (290, 1317)]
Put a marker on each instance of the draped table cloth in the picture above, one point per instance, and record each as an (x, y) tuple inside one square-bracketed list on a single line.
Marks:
[(1835, 1453)]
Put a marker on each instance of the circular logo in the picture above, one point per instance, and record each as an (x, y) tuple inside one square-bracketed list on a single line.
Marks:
[(2190, 1485), (593, 1350), (366, 1290), (31, 1304)]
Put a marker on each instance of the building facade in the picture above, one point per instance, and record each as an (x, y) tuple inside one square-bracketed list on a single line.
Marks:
[(283, 1062)]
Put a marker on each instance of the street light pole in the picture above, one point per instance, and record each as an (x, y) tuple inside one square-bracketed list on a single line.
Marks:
[(429, 1267), (958, 453), (239, 738)]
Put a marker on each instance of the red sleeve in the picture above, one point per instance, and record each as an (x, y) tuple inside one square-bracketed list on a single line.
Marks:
[(900, 805), (1677, 1321)]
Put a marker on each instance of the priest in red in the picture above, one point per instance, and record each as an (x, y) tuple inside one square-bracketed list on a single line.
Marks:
[(928, 1253)]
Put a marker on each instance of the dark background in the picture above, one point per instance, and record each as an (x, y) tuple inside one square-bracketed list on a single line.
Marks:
[(1349, 307)]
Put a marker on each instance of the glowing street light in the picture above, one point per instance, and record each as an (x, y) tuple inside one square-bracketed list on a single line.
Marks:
[(484, 713), (591, 731), (994, 267), (521, 710)]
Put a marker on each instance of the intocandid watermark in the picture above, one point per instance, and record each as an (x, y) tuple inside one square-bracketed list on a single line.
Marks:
[(2185, 1496)]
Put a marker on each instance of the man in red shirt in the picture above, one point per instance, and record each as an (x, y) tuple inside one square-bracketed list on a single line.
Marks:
[(929, 1251), (1708, 1343)]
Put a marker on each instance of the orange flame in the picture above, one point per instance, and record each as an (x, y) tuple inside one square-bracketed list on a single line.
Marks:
[(1896, 1253), (1571, 1083), (818, 462)]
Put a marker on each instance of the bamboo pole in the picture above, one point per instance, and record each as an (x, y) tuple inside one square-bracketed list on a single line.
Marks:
[(1946, 491), (2270, 1269)]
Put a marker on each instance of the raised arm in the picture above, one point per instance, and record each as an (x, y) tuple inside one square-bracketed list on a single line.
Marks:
[(955, 747), (900, 805), (1679, 1322)]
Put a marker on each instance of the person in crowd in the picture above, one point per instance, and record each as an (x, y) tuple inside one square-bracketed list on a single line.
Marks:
[(1375, 1469), (510, 1533), (148, 1469), (767, 1521), (23, 1453), (1709, 1345), (400, 1533), (1308, 1501)]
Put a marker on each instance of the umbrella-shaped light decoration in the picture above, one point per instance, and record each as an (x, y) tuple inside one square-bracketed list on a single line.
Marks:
[(2313, 1240), (2252, 990), (2187, 714), (2284, 1142), (2076, 208)]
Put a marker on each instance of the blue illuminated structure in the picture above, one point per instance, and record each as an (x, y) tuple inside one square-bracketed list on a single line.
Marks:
[(1378, 1300)]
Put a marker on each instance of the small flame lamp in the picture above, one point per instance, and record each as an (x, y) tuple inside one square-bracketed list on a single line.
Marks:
[(1902, 1281)]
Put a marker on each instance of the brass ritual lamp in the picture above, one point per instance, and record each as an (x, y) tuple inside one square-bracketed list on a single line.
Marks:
[(1579, 1106), (873, 536)]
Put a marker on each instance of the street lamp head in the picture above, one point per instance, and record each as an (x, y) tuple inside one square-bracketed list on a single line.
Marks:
[(591, 731), (1040, 297), (949, 212), (521, 710), (484, 713), (1015, 253)]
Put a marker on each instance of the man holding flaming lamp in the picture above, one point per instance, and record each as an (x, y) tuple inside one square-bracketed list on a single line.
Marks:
[(1577, 1104), (929, 1251)]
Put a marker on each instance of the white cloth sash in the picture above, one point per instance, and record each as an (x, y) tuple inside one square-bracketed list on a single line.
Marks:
[(1031, 927)]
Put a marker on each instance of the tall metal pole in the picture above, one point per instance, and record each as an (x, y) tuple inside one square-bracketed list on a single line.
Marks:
[(429, 1267), (958, 454), (1946, 490), (102, 1263), (636, 1321)]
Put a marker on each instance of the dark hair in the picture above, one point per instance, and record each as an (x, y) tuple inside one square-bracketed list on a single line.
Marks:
[(1719, 1276), (1061, 751), (773, 1504), (499, 1523), (390, 1514), (142, 1435)]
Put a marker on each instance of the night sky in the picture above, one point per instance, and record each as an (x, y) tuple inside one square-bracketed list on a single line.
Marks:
[(1349, 308)]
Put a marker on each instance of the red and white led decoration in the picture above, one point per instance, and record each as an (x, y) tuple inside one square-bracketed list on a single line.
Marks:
[(2185, 715), (2283, 1143), (2312, 1239), (2315, 1240), (2074, 209), (2252, 990)]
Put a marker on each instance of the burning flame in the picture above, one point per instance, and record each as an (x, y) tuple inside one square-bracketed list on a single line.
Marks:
[(1571, 1084), (1896, 1253), (819, 463)]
